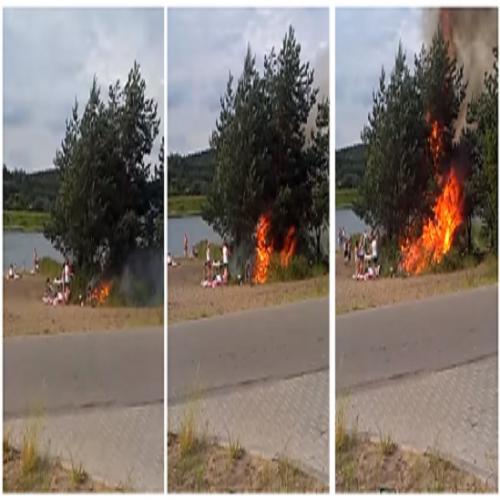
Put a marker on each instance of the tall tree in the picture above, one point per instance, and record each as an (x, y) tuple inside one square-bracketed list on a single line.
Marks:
[(100, 213), (482, 118), (395, 176)]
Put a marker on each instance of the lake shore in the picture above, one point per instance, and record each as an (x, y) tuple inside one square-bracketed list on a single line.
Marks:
[(188, 300), (352, 295), (24, 220), (25, 314)]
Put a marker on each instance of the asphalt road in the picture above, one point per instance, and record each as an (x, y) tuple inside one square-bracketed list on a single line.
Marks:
[(256, 345), (420, 336), (57, 373)]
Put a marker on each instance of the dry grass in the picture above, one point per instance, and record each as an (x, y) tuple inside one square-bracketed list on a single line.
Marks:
[(29, 469), (207, 469), (366, 466)]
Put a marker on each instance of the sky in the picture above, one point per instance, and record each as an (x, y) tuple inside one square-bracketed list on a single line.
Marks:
[(366, 40), (204, 45), (50, 57)]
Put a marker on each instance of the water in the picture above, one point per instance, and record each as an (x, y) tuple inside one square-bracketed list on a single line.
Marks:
[(195, 228), (350, 221), (18, 249)]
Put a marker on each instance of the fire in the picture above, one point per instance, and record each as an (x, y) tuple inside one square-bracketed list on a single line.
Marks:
[(288, 250), (436, 142), (265, 248), (438, 232), (101, 292)]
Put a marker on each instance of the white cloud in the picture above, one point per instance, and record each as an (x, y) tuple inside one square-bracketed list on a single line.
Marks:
[(206, 44), (51, 56)]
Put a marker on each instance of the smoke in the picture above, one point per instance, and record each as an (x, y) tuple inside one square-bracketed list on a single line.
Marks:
[(322, 82), (141, 282), (472, 34)]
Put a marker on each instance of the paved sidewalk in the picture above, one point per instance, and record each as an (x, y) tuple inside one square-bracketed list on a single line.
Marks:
[(118, 446), (287, 417), (453, 411)]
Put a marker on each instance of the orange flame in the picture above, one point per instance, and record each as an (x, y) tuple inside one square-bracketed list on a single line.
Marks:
[(288, 250), (101, 292), (437, 235), (264, 249), (436, 141)]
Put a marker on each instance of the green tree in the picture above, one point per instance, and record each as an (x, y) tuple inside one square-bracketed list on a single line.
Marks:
[(100, 214), (482, 119), (319, 159), (259, 144), (396, 175)]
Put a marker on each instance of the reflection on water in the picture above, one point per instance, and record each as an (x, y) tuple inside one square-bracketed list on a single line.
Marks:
[(195, 228), (18, 248)]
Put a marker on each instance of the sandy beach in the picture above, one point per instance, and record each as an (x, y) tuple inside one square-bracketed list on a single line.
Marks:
[(187, 299), (351, 295), (25, 314)]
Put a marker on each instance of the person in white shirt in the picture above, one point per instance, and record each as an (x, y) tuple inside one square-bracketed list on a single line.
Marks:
[(225, 261)]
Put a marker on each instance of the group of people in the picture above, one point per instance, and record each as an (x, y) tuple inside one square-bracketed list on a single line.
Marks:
[(366, 255), (215, 273), (58, 291)]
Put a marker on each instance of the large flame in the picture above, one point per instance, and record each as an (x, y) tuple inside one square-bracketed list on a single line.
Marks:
[(438, 232), (101, 292), (265, 247), (263, 250)]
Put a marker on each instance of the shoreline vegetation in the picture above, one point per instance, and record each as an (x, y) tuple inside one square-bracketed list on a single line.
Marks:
[(185, 205), (24, 220), (345, 198)]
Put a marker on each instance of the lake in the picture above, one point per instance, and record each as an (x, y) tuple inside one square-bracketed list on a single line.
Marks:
[(347, 219), (195, 228), (18, 248)]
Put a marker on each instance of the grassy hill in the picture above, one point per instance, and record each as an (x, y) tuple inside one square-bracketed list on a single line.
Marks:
[(190, 174)]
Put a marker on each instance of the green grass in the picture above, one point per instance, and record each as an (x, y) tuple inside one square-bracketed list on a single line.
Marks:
[(23, 220), (345, 198), (185, 206), (50, 268)]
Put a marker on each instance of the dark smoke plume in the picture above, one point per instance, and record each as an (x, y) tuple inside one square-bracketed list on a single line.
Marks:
[(472, 35)]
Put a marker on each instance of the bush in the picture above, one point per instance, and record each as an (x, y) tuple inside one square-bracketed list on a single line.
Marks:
[(50, 268), (215, 250), (299, 268)]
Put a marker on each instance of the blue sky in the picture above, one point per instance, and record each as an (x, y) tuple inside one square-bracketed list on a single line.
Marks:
[(50, 57), (366, 40), (204, 45)]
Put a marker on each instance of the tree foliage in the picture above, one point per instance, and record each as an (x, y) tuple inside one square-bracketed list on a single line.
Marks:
[(263, 162), (482, 134), (109, 202), (399, 186)]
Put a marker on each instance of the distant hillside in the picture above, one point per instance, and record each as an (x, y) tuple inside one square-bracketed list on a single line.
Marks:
[(190, 174), (350, 166), (29, 191)]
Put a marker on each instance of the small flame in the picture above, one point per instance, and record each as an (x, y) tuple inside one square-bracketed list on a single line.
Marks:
[(264, 249), (436, 142), (288, 250), (101, 292), (438, 232)]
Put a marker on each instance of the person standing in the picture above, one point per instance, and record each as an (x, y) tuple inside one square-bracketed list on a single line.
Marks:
[(186, 245), (225, 261)]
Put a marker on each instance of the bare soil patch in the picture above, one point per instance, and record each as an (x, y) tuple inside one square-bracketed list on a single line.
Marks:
[(208, 467), (187, 299), (25, 314)]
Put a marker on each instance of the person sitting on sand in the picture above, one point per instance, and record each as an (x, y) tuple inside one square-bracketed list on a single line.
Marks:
[(170, 260)]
